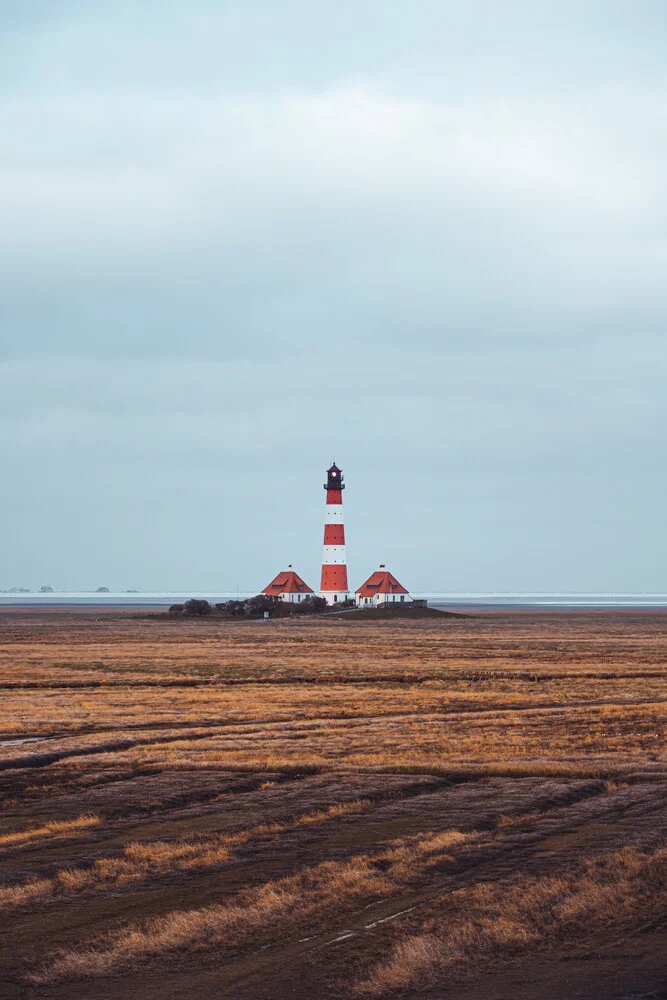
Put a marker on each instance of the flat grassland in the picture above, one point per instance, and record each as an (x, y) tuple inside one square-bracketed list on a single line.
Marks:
[(459, 806)]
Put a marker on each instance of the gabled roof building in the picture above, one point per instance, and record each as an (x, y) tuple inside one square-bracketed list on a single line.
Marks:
[(381, 588), (288, 586)]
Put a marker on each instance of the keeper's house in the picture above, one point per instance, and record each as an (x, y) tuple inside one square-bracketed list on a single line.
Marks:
[(381, 588), (288, 586)]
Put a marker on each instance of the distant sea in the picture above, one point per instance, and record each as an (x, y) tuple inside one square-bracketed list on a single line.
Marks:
[(440, 600)]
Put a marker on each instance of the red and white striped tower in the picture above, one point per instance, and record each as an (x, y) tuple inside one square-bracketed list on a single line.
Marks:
[(333, 586)]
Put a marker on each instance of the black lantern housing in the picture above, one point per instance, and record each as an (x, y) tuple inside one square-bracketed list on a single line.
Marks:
[(334, 479)]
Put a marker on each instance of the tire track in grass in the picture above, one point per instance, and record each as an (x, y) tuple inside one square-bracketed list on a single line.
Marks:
[(355, 721), (242, 973)]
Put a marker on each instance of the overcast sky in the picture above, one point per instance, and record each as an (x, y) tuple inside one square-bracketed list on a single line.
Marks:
[(426, 239)]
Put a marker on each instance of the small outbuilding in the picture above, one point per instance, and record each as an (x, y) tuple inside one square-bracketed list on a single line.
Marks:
[(288, 586), (381, 588)]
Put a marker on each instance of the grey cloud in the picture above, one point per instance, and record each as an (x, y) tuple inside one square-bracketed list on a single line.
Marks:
[(240, 239), (399, 213)]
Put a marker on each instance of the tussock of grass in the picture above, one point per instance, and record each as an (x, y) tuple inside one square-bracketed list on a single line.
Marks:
[(28, 892), (216, 925), (335, 811), (276, 907), (48, 831), (507, 769), (496, 920), (157, 857), (222, 926)]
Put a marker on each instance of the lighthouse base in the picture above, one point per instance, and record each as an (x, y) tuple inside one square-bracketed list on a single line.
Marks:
[(335, 596)]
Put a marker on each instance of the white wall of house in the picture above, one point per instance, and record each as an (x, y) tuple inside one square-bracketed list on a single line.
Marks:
[(293, 598), (372, 602)]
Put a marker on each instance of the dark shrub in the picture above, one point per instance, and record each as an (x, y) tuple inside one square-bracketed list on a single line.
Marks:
[(312, 604), (261, 603), (196, 607), (236, 609), (176, 609)]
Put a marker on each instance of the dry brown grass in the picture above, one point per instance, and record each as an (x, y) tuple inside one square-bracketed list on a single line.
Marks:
[(54, 830), (62, 710), (360, 694), (595, 737), (29, 892), (156, 857), (496, 919), (333, 764), (275, 907)]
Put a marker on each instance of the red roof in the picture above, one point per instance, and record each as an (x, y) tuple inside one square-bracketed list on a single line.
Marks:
[(381, 582), (288, 582)]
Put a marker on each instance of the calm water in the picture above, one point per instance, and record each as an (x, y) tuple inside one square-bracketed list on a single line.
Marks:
[(442, 599)]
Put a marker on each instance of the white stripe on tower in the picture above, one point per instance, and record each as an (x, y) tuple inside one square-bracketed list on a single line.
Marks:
[(333, 585), (333, 513)]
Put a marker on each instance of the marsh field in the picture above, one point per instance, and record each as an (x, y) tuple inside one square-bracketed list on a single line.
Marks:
[(467, 806)]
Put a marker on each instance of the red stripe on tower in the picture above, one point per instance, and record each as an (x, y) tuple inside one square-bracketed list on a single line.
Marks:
[(334, 534), (333, 585)]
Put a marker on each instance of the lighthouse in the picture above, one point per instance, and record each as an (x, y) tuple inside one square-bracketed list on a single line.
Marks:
[(333, 585)]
